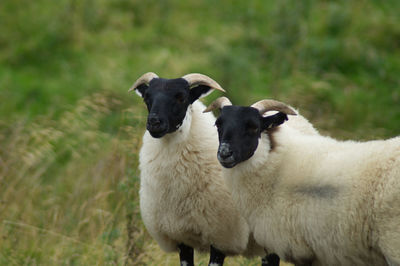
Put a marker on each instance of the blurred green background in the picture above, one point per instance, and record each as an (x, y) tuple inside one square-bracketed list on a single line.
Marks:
[(70, 132)]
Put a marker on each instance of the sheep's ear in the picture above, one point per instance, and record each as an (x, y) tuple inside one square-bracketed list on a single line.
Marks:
[(273, 121), (198, 92), (141, 89)]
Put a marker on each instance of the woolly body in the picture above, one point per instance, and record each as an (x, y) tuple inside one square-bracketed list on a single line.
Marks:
[(183, 197), (314, 200)]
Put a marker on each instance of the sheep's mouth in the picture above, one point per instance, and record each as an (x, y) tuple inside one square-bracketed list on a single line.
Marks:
[(227, 162), (228, 165), (157, 130), (157, 133)]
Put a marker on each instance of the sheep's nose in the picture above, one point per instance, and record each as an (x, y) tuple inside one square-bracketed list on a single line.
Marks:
[(153, 120), (224, 151)]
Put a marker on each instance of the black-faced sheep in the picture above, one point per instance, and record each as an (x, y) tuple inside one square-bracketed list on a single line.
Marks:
[(311, 199), (184, 200)]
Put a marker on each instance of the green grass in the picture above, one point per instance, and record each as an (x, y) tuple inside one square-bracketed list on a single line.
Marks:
[(70, 132)]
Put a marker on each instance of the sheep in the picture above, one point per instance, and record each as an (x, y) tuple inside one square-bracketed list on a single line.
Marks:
[(311, 199), (184, 200)]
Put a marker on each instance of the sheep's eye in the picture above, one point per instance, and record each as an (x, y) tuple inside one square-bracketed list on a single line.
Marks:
[(252, 128), (180, 98)]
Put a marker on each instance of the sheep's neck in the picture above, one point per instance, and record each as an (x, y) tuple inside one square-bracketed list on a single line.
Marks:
[(255, 177)]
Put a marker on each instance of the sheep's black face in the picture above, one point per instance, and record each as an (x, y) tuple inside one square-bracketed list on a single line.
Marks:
[(239, 130), (167, 101)]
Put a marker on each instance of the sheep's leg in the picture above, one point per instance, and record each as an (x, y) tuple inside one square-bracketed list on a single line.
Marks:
[(185, 255), (216, 257), (270, 260)]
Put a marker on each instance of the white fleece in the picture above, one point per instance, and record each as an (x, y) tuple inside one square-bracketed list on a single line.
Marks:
[(313, 198)]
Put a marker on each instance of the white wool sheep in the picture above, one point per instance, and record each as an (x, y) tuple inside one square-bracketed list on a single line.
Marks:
[(183, 196), (314, 200)]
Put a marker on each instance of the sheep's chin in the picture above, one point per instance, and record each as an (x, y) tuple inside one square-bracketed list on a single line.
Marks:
[(182, 131), (228, 164), (158, 135)]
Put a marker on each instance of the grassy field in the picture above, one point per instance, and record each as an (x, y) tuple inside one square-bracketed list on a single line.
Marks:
[(70, 132)]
